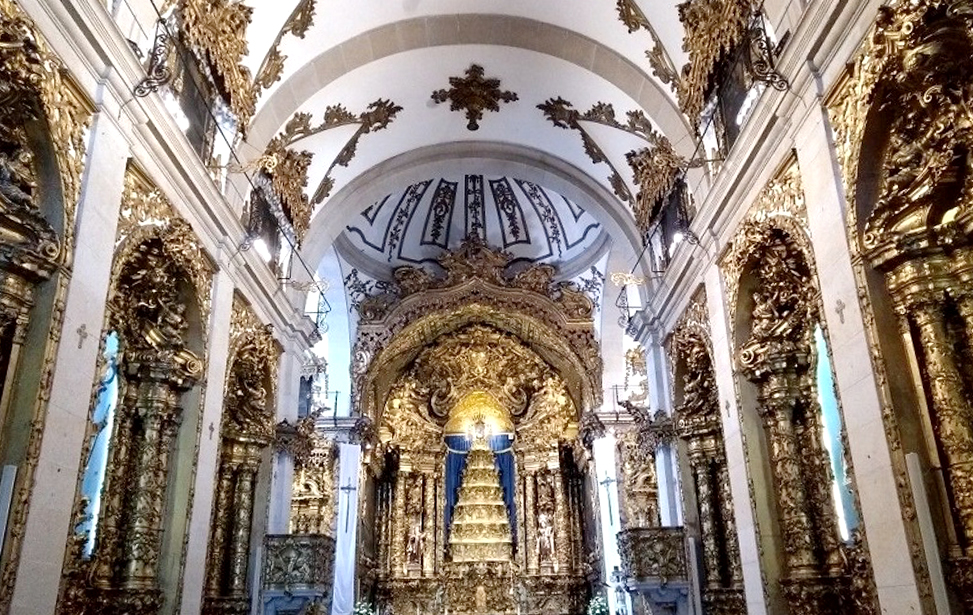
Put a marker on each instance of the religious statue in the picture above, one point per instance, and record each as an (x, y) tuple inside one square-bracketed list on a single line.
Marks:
[(16, 178), (415, 544), (545, 538)]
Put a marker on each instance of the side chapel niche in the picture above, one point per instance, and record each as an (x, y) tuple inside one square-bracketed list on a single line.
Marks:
[(134, 493), (905, 138), (803, 486), (247, 430), (43, 119), (699, 426), (482, 487)]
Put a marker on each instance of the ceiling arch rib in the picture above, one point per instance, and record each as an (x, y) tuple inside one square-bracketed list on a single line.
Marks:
[(422, 21), (507, 31)]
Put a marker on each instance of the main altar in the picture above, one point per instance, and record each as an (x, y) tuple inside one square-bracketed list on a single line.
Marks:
[(478, 488)]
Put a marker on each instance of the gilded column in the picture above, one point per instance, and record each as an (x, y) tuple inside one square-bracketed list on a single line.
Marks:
[(440, 516), (791, 498), (521, 537), (400, 534), (953, 423), (707, 525), (224, 490), (429, 527), (729, 523), (109, 540), (240, 541), (531, 514), (144, 535), (562, 545)]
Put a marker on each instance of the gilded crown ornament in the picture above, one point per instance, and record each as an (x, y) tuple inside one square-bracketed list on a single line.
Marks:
[(474, 94)]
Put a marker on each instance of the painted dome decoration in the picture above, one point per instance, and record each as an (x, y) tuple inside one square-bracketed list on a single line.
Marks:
[(416, 225)]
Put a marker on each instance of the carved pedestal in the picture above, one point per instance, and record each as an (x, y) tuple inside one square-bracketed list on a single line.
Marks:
[(298, 570)]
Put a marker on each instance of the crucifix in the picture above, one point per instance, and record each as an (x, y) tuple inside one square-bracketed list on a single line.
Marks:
[(839, 306), (348, 489), (608, 496)]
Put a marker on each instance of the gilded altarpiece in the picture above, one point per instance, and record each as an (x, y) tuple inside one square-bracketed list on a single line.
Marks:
[(248, 428), (43, 121), (771, 283), (131, 518), (698, 423), (904, 136), (495, 520)]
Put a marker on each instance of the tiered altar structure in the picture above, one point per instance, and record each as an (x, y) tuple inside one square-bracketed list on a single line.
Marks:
[(479, 494)]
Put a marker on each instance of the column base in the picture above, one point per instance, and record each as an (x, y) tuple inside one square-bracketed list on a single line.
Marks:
[(961, 580), (225, 605), (817, 595), (724, 601)]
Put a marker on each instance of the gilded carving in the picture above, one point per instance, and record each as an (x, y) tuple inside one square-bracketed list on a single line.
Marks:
[(555, 324), (34, 89), (910, 82), (653, 553), (157, 274), (313, 502), (777, 354), (474, 94), (712, 30), (639, 495), (216, 31), (287, 168), (698, 424)]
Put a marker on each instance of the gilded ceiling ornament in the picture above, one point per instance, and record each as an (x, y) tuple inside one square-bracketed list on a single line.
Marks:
[(634, 19), (288, 167), (713, 29), (655, 167), (272, 67), (474, 94), (216, 30)]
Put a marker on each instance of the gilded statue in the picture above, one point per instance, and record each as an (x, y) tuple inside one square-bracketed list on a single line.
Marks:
[(17, 184), (545, 537)]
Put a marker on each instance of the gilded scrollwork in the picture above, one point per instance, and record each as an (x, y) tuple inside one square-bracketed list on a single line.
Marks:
[(555, 324), (639, 495)]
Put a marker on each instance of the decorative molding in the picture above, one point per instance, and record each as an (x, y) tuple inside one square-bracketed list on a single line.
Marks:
[(288, 168), (474, 94), (272, 67), (630, 14)]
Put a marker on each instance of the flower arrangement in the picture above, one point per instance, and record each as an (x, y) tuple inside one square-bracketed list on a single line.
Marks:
[(365, 608), (598, 605)]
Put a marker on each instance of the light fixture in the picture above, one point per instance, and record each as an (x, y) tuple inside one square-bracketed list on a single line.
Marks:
[(261, 247)]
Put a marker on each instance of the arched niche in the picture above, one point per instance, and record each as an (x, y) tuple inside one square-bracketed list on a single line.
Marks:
[(138, 461), (43, 121), (905, 140)]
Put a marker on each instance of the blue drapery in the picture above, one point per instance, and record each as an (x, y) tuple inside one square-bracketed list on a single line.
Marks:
[(457, 446)]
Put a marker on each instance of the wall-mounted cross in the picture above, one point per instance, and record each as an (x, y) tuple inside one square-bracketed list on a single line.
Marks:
[(82, 335), (348, 488), (839, 306), (607, 483)]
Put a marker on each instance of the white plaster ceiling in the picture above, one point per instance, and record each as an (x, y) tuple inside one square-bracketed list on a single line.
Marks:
[(403, 50)]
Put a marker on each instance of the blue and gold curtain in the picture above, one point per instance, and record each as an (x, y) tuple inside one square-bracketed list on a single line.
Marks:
[(457, 446)]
